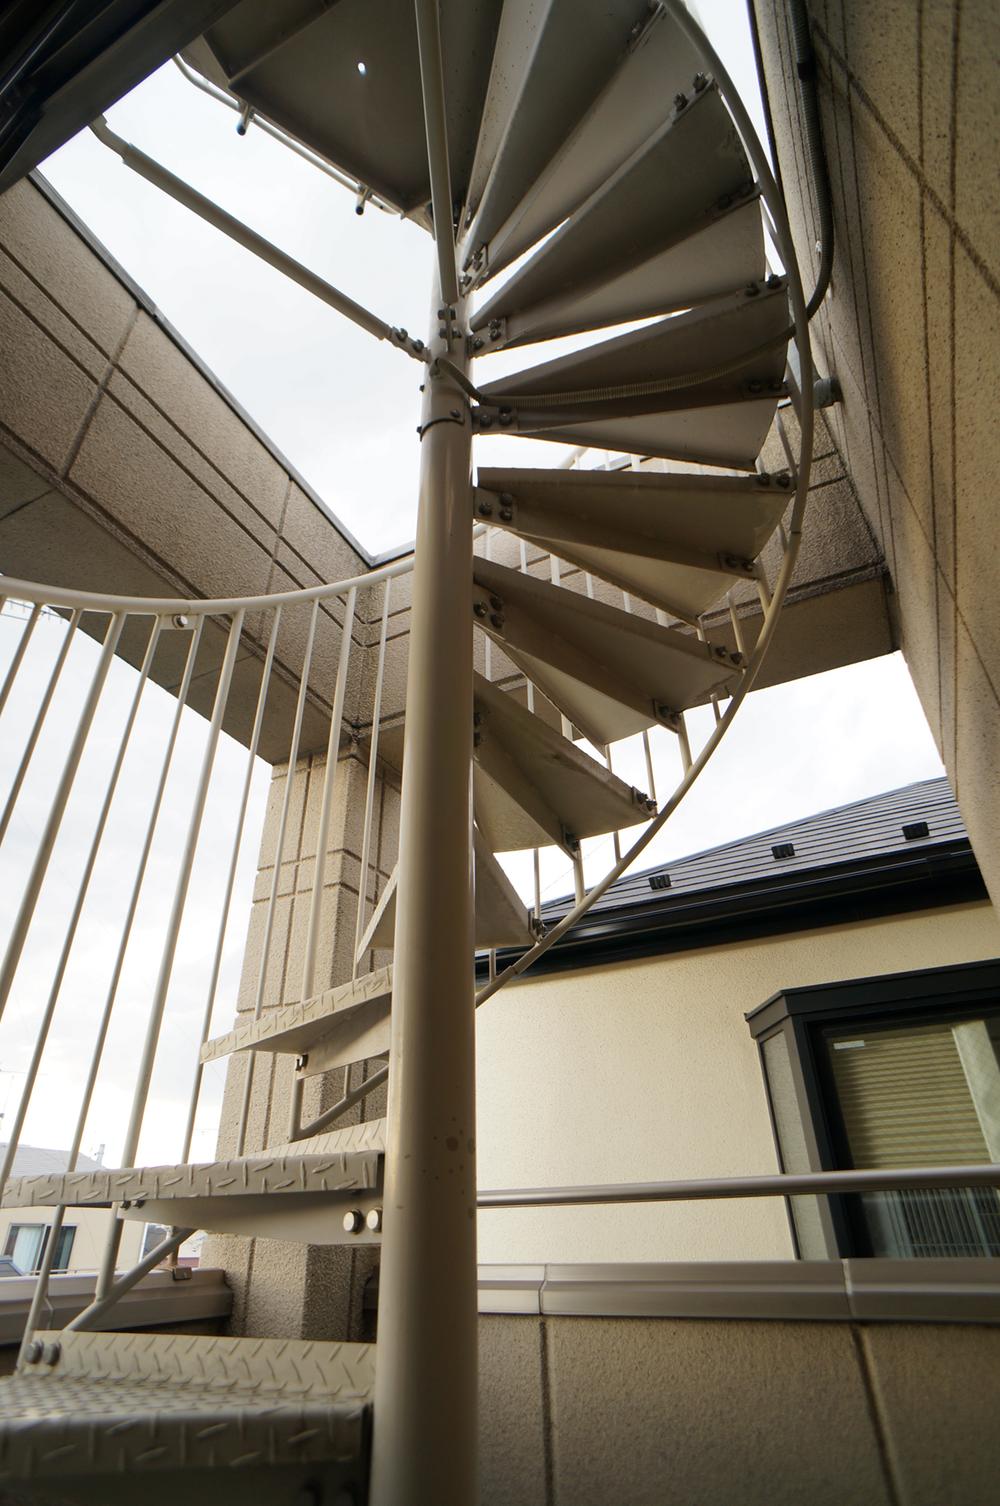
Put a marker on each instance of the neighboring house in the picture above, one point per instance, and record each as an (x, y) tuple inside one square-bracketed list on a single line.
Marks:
[(819, 996), (24, 1231)]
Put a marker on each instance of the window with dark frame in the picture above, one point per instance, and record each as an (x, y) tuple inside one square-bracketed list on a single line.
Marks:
[(902, 1070), (26, 1244)]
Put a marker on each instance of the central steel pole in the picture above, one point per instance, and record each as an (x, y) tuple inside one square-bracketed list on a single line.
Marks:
[(425, 1415)]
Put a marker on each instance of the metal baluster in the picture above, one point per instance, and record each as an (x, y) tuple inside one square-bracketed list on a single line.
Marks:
[(265, 953), (19, 652), (579, 884), (703, 638), (145, 1070), (40, 865), (366, 837), (265, 680), (36, 728), (734, 618), (45, 1022), (309, 983), (535, 855), (684, 741), (146, 1061)]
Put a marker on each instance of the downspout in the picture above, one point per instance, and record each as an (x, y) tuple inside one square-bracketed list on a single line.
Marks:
[(805, 71)]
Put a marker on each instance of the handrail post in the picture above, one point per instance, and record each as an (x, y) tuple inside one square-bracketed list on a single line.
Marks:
[(425, 1415)]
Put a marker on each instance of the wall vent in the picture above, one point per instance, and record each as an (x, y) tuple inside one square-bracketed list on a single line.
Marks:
[(783, 850), (659, 880), (914, 829)]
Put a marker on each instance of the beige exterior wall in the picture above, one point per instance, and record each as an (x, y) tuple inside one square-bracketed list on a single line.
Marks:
[(646, 1070), (666, 1412), (91, 1226), (911, 328)]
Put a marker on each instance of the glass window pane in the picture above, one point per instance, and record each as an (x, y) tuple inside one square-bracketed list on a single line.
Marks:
[(922, 1095)]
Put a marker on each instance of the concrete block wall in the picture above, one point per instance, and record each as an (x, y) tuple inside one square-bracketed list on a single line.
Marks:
[(283, 1289), (911, 328), (582, 1411)]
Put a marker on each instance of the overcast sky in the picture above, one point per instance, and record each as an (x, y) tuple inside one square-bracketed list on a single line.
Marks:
[(343, 408)]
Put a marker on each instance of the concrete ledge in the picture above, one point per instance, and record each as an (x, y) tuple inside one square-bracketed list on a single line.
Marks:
[(927, 1291), (154, 1302)]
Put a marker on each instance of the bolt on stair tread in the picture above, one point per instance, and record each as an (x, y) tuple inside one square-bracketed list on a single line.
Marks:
[(610, 672), (293, 1028), (631, 251), (676, 541)]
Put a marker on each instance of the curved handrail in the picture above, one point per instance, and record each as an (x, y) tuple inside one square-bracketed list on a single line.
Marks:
[(776, 207), (174, 606)]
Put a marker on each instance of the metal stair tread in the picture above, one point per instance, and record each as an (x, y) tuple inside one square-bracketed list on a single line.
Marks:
[(533, 102), (610, 672), (349, 1159), (664, 537), (729, 435), (371, 124), (658, 64), (611, 394), (501, 917), (113, 1403), (608, 262), (729, 331), (293, 1028), (534, 787)]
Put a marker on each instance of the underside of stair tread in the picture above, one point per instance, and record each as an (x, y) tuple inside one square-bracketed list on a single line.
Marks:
[(303, 74), (501, 918), (533, 100), (349, 1160), (611, 672), (737, 336), (116, 1403), (293, 1028), (672, 540), (725, 359), (609, 262), (534, 787), (729, 436), (658, 64)]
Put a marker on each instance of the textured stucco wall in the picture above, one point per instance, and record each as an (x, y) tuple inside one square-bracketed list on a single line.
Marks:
[(646, 1070), (665, 1412), (911, 328)]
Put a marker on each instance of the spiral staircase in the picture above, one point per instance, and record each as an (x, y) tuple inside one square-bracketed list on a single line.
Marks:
[(581, 166)]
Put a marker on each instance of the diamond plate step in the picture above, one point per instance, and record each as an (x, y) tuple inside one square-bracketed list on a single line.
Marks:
[(610, 672), (351, 1021), (92, 1410), (677, 541), (298, 1192), (534, 787), (611, 395), (501, 918), (632, 250)]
